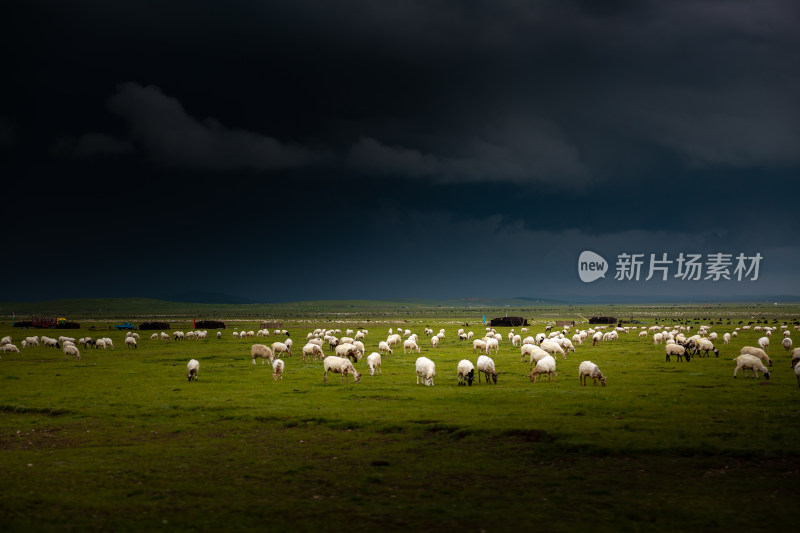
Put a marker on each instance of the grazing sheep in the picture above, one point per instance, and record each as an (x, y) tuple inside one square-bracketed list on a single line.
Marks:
[(410, 345), (797, 373), (587, 369), (109, 343), (763, 343), (130, 342), (786, 343), (435, 340), (426, 370), (750, 362), (349, 351), (676, 349), (193, 367), (360, 346), (337, 365), (539, 338), (277, 369), (9, 348), (492, 344), (726, 338), (516, 340), (71, 349), (478, 345), (466, 373), (279, 347), (153, 337), (313, 351), (393, 340), (553, 348), (545, 366), (795, 357), (374, 363), (262, 351), (758, 352), (705, 346), (101, 343), (597, 337), (383, 347), (485, 366)]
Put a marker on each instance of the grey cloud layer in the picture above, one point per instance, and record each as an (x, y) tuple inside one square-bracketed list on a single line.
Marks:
[(170, 136)]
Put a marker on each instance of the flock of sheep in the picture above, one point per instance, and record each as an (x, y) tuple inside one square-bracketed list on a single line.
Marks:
[(540, 350)]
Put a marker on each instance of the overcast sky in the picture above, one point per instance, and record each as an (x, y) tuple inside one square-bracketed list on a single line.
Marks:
[(295, 150)]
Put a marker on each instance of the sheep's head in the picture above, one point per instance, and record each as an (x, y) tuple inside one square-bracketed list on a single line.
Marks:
[(471, 377), (357, 377), (494, 378), (766, 375)]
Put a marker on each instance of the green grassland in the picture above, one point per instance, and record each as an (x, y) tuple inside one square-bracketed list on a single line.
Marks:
[(120, 440)]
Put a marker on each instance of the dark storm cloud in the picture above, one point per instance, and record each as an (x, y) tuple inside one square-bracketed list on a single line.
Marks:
[(171, 137), (92, 144), (6, 133), (451, 138)]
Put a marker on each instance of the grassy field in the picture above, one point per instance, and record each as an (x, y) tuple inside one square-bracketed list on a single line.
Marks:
[(121, 441)]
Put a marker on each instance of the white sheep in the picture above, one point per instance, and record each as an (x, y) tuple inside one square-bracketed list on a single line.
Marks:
[(426, 370), (544, 366), (726, 338), (193, 368), (153, 337), (553, 348), (786, 343), (349, 351), (101, 343), (9, 348), (478, 345), (394, 340), (757, 352), (435, 340), (130, 342), (466, 372), (262, 351), (279, 347), (383, 347), (109, 343), (410, 345), (597, 337), (676, 349), (71, 349), (312, 351), (337, 365), (763, 343), (485, 366), (277, 369), (587, 369), (705, 346), (492, 344), (374, 363), (750, 362)]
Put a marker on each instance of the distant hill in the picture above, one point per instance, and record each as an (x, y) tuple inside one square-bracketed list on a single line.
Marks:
[(202, 297)]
